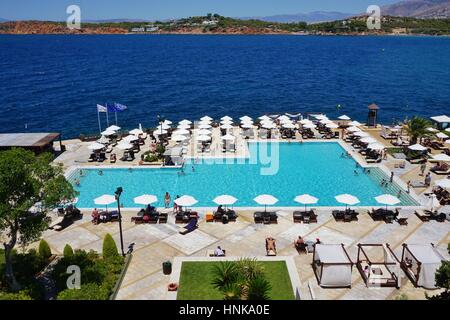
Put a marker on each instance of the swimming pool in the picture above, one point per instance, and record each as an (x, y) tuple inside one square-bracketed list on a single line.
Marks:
[(316, 168)]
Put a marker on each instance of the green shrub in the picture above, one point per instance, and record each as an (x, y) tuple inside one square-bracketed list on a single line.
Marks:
[(68, 251), (21, 295), (109, 247), (90, 291), (44, 250)]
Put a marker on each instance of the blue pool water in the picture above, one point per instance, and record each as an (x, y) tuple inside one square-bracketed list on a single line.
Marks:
[(53, 83), (314, 168)]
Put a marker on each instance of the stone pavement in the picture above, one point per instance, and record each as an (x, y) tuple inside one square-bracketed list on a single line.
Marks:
[(155, 244)]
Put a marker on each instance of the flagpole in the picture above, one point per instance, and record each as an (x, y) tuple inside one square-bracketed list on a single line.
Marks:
[(115, 114), (107, 117), (99, 123)]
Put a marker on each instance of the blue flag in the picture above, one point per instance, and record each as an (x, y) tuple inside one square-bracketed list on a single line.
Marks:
[(115, 107)]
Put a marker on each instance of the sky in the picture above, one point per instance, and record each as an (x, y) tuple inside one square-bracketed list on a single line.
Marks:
[(167, 9)]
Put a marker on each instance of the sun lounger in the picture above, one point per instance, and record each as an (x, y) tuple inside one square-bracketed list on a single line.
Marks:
[(377, 160), (418, 184), (192, 225)]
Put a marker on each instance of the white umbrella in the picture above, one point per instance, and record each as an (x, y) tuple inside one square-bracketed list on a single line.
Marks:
[(206, 118), (376, 146), (130, 138), (247, 125), (203, 138), (361, 134), (326, 121), (269, 126), (289, 125), (264, 117), (353, 129), (448, 129), (182, 132), (103, 140), (225, 200), (186, 201), (228, 137), (245, 118), (266, 200), (283, 117), (447, 141), (320, 117), (136, 132), (417, 147), (113, 128), (145, 199), (226, 122), (306, 199), (204, 126), (96, 146), (124, 145), (167, 122), (432, 129), (305, 121), (443, 183), (355, 124), (185, 122), (309, 126), (108, 132), (163, 126), (159, 131), (226, 118), (226, 126), (441, 135), (105, 200), (183, 126), (368, 140), (388, 200), (441, 157), (347, 199), (344, 117), (332, 125), (202, 132), (178, 138)]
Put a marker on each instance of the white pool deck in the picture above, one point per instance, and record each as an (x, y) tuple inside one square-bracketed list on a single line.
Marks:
[(155, 244)]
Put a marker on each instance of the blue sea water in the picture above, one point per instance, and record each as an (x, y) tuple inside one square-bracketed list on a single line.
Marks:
[(314, 168), (53, 82)]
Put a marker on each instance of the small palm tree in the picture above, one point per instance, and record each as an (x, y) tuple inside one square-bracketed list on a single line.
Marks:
[(232, 291), (417, 128), (225, 273), (258, 289)]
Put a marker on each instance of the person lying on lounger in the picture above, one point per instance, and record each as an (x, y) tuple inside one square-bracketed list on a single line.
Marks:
[(219, 252), (271, 248)]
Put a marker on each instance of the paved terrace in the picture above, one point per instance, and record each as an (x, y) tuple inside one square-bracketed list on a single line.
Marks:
[(155, 244)]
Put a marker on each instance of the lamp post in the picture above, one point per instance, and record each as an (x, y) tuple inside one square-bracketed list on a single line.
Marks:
[(117, 195)]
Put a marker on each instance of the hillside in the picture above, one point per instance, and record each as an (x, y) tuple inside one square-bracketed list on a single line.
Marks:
[(418, 9)]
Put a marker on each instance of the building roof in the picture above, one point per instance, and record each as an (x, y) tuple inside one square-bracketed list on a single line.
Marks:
[(373, 106), (35, 140), (331, 253), (425, 253), (441, 119)]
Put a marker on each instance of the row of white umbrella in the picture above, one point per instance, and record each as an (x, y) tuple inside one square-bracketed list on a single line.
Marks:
[(264, 199)]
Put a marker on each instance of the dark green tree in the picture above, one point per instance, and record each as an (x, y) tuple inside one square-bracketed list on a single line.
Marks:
[(417, 128), (68, 251), (109, 247), (443, 281), (27, 179), (44, 250)]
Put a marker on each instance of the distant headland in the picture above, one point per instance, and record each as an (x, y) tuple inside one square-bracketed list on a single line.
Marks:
[(216, 24)]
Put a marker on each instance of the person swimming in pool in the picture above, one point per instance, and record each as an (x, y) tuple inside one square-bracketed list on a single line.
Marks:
[(100, 172)]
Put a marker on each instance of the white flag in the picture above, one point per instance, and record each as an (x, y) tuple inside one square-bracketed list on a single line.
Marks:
[(101, 108)]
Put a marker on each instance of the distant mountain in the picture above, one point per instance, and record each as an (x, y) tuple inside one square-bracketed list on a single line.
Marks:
[(418, 9), (312, 17)]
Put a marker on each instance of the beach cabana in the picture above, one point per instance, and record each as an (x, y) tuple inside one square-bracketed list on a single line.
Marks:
[(378, 265), (441, 122), (332, 266), (173, 156), (420, 263)]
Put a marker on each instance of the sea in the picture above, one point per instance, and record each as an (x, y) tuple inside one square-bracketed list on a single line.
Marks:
[(52, 83)]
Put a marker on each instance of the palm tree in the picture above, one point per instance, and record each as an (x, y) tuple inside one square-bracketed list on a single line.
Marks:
[(225, 273), (417, 128), (258, 289)]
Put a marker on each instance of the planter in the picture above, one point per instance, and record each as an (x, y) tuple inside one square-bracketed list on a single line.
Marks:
[(167, 267), (172, 287)]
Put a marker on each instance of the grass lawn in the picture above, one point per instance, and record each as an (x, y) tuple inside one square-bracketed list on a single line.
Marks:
[(196, 278)]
